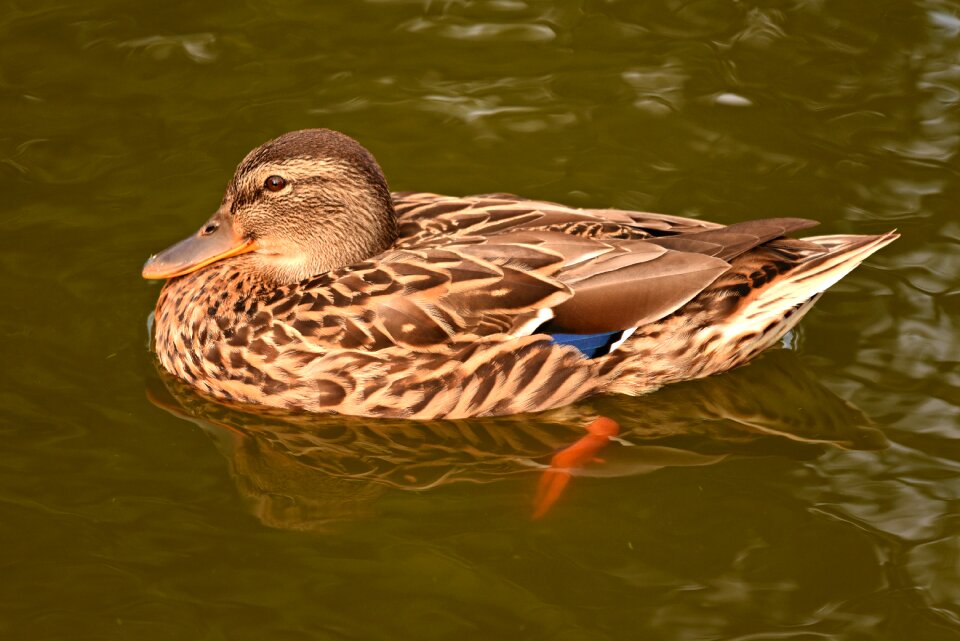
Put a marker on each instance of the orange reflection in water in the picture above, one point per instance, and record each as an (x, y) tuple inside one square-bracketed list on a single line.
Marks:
[(555, 479)]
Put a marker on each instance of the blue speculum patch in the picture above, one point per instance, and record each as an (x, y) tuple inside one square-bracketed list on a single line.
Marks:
[(592, 345)]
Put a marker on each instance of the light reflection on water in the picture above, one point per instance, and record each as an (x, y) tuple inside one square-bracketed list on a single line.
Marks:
[(809, 495)]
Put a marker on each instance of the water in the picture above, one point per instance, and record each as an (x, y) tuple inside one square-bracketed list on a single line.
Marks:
[(810, 495)]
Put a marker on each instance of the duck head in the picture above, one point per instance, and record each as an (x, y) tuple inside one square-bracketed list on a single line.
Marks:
[(302, 204)]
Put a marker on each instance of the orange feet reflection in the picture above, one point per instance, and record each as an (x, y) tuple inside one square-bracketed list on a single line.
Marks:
[(555, 479)]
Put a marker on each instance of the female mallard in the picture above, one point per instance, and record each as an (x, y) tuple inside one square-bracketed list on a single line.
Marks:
[(313, 287)]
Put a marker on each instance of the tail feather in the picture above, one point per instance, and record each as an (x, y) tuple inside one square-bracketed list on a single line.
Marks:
[(773, 307), (762, 297)]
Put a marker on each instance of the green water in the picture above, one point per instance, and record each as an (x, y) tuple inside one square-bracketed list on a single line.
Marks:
[(813, 494)]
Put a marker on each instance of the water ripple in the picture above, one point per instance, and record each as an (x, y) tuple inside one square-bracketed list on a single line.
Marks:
[(198, 47), (480, 32)]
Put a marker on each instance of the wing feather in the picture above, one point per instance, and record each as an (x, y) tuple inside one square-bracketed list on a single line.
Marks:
[(731, 241), (426, 219), (636, 293)]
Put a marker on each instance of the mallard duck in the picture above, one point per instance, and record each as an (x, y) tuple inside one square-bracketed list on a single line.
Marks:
[(314, 288)]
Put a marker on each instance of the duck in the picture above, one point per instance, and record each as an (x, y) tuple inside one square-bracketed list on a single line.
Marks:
[(315, 288)]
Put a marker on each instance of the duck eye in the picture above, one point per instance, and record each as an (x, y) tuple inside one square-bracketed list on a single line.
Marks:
[(275, 183)]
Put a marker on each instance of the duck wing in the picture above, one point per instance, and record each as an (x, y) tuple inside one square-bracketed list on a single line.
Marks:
[(625, 285), (511, 283)]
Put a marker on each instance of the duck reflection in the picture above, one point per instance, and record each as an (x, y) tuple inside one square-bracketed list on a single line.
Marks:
[(307, 471)]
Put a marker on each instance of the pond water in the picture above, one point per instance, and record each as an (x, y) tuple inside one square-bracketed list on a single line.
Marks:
[(813, 494)]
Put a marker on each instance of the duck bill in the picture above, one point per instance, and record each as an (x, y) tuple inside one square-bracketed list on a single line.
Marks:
[(215, 241)]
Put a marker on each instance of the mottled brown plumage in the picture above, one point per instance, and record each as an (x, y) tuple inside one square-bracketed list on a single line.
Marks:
[(331, 295)]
